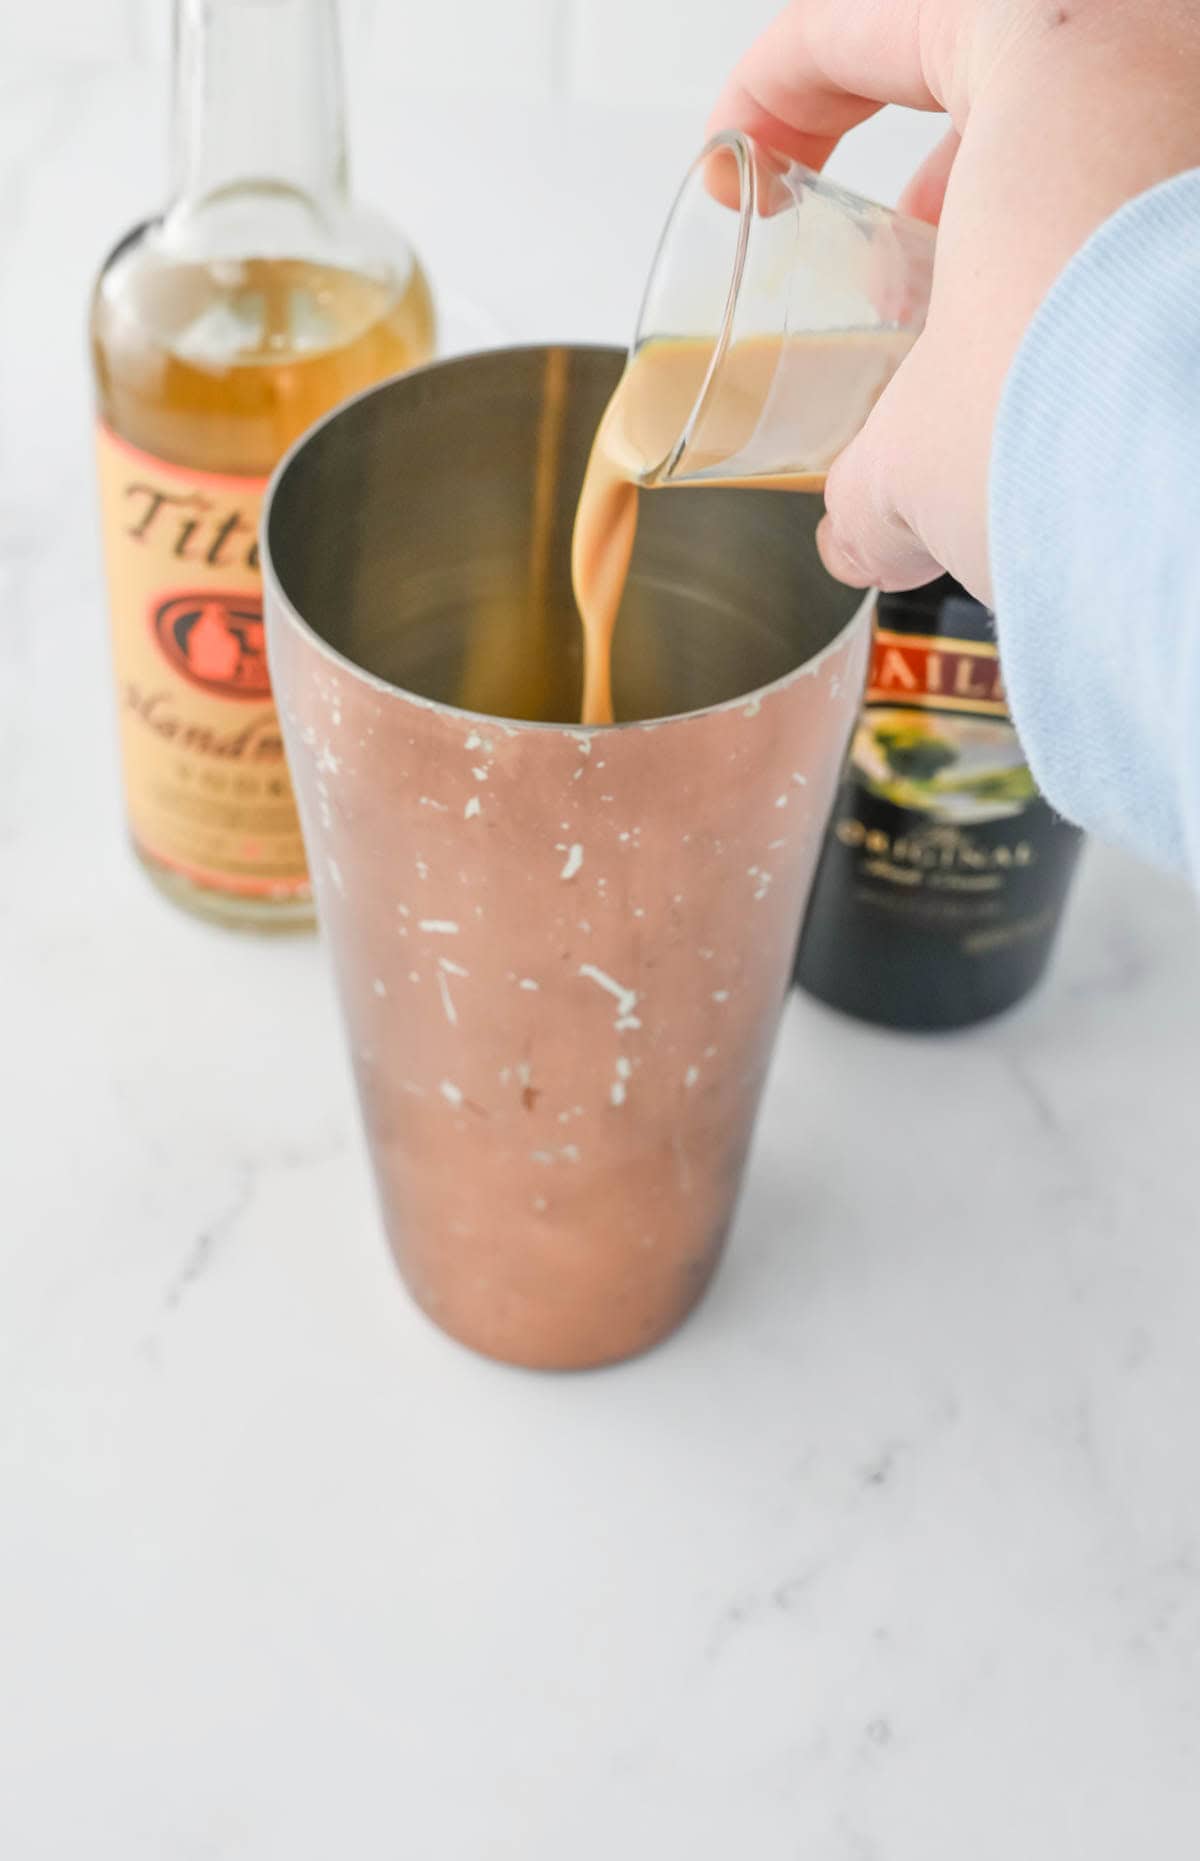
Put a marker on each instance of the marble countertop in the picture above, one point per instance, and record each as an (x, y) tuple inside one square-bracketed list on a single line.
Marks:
[(892, 1555)]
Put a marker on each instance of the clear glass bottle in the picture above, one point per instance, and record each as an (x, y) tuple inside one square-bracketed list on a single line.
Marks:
[(220, 330)]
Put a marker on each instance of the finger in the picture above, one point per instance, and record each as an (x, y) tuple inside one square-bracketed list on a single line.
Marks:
[(837, 552), (820, 68), (926, 191), (872, 535), (725, 181)]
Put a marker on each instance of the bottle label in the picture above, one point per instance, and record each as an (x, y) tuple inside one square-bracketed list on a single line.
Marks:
[(206, 784), (936, 673), (938, 795), (934, 736)]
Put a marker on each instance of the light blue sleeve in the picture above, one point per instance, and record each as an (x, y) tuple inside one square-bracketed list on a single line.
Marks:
[(1095, 531)]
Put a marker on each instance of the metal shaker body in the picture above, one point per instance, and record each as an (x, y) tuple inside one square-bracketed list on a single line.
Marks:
[(561, 953)]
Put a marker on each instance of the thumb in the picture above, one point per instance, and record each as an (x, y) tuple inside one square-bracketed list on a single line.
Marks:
[(871, 535)]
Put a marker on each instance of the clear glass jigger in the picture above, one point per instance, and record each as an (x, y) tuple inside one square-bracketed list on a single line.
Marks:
[(778, 308)]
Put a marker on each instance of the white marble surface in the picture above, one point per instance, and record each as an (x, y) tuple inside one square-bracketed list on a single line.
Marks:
[(893, 1555)]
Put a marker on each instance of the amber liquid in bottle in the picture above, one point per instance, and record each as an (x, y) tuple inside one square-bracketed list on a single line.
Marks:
[(219, 333), (221, 366)]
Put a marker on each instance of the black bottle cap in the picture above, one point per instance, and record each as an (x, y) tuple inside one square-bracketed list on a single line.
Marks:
[(912, 604)]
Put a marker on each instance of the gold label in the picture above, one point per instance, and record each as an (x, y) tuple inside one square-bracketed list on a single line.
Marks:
[(206, 783), (935, 739), (937, 673)]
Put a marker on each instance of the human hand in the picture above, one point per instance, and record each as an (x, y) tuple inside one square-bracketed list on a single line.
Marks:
[(1061, 110)]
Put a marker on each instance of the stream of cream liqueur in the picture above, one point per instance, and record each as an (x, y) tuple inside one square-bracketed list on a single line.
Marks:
[(818, 390)]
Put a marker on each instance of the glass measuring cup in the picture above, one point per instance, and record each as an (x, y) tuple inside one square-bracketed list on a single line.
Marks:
[(778, 307)]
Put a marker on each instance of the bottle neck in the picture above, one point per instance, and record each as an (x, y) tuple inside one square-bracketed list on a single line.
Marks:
[(258, 98)]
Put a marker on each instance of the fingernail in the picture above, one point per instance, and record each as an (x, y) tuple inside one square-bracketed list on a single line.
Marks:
[(839, 557)]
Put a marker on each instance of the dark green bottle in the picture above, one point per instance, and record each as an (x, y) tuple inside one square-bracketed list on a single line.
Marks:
[(944, 871)]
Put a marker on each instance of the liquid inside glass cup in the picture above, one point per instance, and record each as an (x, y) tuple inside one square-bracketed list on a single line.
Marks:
[(779, 307)]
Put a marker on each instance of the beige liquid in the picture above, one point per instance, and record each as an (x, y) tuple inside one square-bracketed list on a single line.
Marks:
[(217, 368), (818, 390)]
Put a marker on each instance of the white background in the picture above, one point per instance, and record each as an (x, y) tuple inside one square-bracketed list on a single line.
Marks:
[(606, 51), (656, 56)]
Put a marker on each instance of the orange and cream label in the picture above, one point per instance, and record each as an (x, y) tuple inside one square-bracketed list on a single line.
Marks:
[(937, 673), (206, 783)]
